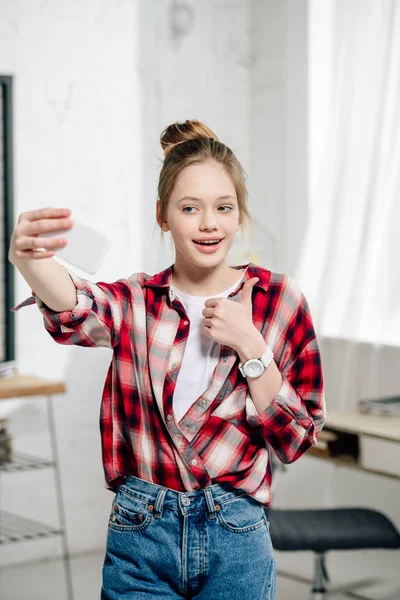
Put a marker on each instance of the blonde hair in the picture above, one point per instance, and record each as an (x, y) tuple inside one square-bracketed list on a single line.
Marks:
[(192, 142)]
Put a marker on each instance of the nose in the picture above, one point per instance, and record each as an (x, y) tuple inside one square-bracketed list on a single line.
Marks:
[(208, 221)]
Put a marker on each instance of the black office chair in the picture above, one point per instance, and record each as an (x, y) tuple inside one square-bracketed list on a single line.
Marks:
[(324, 530)]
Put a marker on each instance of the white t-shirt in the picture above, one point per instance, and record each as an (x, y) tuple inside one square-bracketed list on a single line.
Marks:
[(201, 354)]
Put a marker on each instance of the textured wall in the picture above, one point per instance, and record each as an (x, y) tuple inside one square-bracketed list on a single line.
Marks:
[(77, 132)]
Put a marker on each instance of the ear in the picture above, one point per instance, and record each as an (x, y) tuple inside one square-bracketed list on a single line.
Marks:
[(164, 225)]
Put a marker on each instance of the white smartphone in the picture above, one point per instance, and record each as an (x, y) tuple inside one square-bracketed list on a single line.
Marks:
[(86, 247)]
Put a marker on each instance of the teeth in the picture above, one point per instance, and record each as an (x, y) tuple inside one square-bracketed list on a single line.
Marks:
[(208, 243)]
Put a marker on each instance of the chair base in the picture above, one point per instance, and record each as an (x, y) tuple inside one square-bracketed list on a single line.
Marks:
[(344, 590), (319, 591)]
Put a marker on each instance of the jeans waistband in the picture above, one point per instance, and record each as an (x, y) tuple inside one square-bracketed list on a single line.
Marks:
[(164, 497)]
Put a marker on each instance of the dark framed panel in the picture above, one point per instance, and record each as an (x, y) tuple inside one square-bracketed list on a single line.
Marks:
[(7, 294)]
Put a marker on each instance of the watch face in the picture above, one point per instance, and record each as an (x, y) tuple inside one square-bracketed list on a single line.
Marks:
[(254, 368)]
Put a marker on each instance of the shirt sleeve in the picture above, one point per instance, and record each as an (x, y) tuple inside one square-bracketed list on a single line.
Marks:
[(96, 319), (295, 417)]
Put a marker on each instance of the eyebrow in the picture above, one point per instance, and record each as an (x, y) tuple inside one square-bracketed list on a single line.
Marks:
[(200, 200)]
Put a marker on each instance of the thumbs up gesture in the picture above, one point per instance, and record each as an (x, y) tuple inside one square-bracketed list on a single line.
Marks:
[(231, 323)]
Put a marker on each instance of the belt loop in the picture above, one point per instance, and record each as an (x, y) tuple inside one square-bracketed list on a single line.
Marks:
[(210, 502), (159, 502)]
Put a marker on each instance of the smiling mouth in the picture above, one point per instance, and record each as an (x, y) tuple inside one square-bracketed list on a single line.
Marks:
[(208, 243)]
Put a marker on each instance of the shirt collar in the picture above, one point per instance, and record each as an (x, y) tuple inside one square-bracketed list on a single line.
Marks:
[(163, 279)]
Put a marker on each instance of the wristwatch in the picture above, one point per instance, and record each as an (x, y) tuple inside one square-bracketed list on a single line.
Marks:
[(254, 367)]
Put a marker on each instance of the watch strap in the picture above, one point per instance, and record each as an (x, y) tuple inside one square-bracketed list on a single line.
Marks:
[(266, 359)]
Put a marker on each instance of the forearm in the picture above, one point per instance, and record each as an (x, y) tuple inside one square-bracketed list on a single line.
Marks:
[(50, 281), (287, 408), (262, 389)]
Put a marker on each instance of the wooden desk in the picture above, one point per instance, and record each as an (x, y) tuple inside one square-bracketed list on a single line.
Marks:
[(19, 386), (362, 441)]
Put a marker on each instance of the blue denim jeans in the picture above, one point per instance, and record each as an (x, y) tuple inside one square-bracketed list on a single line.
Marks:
[(209, 544)]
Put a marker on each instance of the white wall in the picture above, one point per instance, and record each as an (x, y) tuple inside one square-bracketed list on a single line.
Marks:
[(77, 131), (194, 64), (279, 120), (95, 84), (267, 122)]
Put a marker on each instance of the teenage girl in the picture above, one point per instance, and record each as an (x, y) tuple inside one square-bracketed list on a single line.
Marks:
[(213, 365)]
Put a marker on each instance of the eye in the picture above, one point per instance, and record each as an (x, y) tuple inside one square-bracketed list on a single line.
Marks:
[(184, 209)]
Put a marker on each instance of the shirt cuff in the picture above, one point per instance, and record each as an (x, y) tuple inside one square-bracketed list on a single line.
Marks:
[(68, 319), (285, 407)]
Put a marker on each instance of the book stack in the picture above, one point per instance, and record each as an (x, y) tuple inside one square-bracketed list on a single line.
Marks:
[(381, 406), (5, 442)]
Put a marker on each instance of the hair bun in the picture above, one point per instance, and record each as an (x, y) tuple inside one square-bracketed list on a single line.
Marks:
[(180, 132)]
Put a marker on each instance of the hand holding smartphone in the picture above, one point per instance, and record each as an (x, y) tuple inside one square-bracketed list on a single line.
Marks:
[(44, 232), (86, 247)]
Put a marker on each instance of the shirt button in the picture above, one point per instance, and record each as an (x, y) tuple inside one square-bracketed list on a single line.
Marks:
[(185, 322), (194, 461), (169, 417)]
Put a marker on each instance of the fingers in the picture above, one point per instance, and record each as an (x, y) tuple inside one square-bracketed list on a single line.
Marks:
[(42, 226), (34, 254), (29, 240), (44, 213), (23, 243)]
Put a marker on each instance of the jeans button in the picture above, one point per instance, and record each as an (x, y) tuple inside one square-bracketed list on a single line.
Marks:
[(185, 501)]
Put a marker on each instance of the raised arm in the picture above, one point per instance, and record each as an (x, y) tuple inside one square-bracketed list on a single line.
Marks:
[(75, 310)]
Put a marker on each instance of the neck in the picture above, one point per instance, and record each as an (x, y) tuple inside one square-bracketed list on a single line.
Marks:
[(202, 281)]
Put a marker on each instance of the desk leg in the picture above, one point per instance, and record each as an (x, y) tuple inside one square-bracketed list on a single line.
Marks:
[(60, 501)]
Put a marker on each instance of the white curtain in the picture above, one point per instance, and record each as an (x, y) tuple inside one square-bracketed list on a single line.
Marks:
[(349, 267)]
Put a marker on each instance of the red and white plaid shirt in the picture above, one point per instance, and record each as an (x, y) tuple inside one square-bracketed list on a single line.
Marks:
[(221, 438)]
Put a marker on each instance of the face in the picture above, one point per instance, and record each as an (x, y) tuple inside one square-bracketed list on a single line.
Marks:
[(203, 204)]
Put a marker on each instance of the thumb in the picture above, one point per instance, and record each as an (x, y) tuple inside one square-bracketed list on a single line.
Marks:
[(247, 289)]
